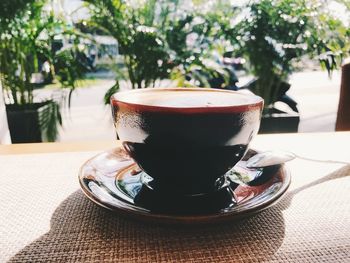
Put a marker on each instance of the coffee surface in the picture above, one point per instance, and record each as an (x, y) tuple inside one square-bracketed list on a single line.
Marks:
[(187, 98)]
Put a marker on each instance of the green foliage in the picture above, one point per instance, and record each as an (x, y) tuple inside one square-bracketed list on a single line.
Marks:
[(107, 97), (135, 29), (22, 44), (50, 119), (69, 67), (273, 35), (174, 42), (197, 43), (148, 60), (10, 8), (27, 41), (153, 36)]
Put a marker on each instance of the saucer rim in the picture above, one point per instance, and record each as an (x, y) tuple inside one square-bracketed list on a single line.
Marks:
[(148, 216)]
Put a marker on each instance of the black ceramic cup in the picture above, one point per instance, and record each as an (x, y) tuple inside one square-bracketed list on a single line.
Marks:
[(186, 139)]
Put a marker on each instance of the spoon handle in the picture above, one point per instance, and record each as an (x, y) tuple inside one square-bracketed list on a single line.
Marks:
[(271, 158), (320, 161)]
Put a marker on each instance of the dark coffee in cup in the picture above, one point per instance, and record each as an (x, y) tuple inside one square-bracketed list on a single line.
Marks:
[(186, 139)]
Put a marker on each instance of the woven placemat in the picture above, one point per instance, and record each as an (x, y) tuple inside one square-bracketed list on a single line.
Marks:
[(46, 218)]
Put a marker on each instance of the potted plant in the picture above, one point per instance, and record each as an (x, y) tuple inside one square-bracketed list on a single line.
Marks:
[(273, 36), (26, 46), (194, 42)]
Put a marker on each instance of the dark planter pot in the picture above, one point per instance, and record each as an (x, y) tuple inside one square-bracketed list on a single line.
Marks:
[(277, 121), (23, 122)]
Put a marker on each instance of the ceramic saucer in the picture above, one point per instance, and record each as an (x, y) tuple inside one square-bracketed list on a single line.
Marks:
[(112, 180)]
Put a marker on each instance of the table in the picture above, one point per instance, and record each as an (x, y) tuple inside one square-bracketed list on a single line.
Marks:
[(45, 217)]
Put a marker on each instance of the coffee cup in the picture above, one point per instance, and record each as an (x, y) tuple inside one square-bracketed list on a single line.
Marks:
[(186, 139)]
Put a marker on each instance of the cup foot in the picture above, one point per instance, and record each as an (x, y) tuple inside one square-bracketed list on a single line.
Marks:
[(173, 203)]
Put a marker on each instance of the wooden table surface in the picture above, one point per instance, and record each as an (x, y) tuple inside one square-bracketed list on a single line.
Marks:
[(45, 217), (313, 144)]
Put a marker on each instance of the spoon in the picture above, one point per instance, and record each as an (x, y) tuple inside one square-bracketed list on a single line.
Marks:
[(271, 158), (264, 165)]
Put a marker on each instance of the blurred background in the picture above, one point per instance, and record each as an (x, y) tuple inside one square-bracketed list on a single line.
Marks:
[(60, 60)]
